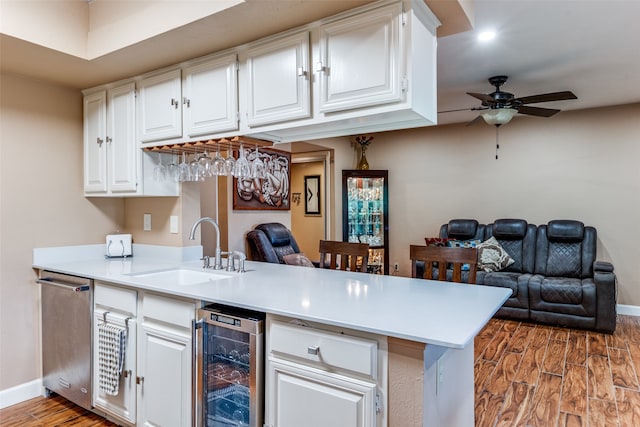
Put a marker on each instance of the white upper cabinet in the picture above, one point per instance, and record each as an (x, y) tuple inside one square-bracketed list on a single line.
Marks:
[(160, 106), (278, 80), (374, 69), (110, 148), (121, 139), (360, 60), (95, 148), (210, 96)]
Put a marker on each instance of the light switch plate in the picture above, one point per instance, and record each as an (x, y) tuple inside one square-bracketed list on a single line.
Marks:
[(173, 224), (147, 222)]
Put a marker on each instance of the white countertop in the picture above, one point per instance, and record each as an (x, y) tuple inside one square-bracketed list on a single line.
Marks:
[(432, 312)]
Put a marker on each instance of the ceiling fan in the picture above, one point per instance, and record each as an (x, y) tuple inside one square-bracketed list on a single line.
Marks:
[(499, 107)]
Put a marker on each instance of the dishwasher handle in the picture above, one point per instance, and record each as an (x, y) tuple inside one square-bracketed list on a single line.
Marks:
[(68, 286)]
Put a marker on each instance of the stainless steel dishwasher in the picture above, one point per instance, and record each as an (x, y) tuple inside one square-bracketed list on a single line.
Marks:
[(67, 305)]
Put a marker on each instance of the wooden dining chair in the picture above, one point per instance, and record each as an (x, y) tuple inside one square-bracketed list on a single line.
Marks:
[(439, 258), (344, 255)]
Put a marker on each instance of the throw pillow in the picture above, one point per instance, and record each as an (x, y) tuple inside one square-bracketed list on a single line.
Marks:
[(492, 256), (452, 243), (297, 259), (436, 241)]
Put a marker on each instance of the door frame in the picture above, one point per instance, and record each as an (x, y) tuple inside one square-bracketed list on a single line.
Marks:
[(325, 157)]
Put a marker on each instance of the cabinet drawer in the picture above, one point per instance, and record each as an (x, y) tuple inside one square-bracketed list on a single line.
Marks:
[(325, 348), (121, 299), (168, 310)]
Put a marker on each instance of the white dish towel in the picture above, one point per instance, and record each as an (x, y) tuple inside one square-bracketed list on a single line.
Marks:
[(112, 341)]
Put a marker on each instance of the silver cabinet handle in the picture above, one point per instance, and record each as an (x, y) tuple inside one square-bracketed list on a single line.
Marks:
[(187, 102), (301, 72), (139, 380), (109, 139), (174, 103), (99, 141), (320, 68), (314, 349)]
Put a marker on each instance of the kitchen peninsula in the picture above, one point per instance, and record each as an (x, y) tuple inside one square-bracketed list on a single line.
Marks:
[(429, 325)]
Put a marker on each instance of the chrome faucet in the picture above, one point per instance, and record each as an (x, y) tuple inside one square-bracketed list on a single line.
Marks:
[(217, 265)]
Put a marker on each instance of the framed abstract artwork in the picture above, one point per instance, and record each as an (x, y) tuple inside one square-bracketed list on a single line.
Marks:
[(267, 187)]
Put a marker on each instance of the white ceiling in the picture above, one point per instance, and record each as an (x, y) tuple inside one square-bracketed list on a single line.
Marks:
[(585, 46), (589, 47)]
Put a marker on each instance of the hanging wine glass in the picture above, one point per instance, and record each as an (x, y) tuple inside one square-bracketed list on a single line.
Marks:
[(229, 164), (242, 168), (217, 168), (194, 169), (204, 164), (258, 169), (184, 172), (160, 170), (172, 169)]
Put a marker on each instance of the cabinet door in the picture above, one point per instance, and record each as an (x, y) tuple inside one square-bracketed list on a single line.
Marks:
[(122, 158), (94, 141), (164, 373), (210, 102), (160, 107), (303, 396), (360, 60), (278, 81), (123, 404)]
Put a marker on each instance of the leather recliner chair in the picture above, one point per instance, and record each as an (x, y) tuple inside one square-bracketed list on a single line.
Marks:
[(270, 242), (569, 287)]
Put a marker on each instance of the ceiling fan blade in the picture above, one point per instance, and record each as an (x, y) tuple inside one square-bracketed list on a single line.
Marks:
[(482, 97), (453, 111), (536, 111), (474, 121), (464, 109), (547, 97)]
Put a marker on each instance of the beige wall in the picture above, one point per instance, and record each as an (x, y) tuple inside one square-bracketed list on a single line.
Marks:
[(42, 205)]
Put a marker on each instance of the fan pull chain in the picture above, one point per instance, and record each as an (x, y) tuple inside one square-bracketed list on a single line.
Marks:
[(497, 141)]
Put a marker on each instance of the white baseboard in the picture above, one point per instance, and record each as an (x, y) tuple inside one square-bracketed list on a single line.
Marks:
[(20, 393), (628, 310)]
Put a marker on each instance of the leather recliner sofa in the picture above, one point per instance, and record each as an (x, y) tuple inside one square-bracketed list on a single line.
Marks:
[(555, 278)]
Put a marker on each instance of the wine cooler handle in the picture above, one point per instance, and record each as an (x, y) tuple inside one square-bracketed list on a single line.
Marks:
[(196, 373)]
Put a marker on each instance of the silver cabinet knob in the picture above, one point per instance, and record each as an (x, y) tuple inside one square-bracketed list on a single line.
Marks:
[(314, 349)]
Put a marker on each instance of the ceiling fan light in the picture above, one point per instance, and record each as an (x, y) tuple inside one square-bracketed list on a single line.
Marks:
[(498, 116)]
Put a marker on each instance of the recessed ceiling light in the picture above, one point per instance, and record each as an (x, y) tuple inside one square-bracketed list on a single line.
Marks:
[(485, 36)]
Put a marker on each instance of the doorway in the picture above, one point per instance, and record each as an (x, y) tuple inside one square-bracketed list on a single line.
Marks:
[(310, 217)]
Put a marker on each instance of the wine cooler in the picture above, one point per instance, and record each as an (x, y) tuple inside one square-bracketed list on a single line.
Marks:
[(229, 368)]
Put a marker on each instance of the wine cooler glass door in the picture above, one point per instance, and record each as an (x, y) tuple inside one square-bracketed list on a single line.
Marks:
[(232, 371)]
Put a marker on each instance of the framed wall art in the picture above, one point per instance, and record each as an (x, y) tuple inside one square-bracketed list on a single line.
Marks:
[(312, 195), (268, 186)]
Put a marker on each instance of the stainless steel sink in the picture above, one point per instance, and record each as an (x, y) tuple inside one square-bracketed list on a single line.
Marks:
[(178, 277)]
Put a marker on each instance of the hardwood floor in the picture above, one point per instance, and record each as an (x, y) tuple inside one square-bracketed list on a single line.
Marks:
[(525, 375), (533, 375), (50, 412)]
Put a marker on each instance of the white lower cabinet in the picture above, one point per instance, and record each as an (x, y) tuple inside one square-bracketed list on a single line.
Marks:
[(305, 396), (317, 377), (155, 386)]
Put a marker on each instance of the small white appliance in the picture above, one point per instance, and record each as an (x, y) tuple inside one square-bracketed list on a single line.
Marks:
[(118, 246)]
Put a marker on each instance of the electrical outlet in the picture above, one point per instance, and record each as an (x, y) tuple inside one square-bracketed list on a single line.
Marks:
[(147, 222), (396, 266)]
